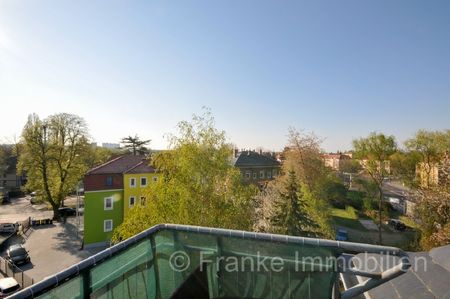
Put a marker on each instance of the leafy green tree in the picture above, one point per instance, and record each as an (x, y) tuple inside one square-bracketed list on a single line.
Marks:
[(53, 155), (304, 156), (290, 210), (3, 164), (432, 147), (197, 185), (336, 193), (375, 151), (351, 166), (403, 166), (98, 155), (135, 145), (432, 208)]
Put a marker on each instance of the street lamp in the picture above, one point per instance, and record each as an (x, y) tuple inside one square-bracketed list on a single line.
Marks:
[(78, 207)]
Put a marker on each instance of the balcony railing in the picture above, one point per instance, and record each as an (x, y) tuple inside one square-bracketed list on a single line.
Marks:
[(177, 261)]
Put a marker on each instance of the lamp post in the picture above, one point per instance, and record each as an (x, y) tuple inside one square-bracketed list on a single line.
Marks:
[(78, 207)]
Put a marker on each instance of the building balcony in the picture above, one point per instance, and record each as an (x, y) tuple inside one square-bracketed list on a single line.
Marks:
[(176, 261)]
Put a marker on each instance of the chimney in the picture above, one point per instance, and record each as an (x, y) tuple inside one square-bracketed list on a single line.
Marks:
[(236, 151)]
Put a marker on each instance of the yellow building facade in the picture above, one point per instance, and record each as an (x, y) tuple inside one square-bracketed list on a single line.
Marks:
[(135, 186)]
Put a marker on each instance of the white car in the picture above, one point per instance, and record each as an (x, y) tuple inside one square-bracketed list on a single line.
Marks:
[(8, 286)]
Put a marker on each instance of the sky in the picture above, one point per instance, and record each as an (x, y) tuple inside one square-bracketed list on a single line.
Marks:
[(340, 69)]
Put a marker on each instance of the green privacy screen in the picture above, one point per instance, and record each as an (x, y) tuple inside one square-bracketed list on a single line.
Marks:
[(172, 263)]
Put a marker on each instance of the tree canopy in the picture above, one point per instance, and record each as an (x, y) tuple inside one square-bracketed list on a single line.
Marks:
[(430, 150), (375, 151), (53, 155), (135, 145), (198, 185), (305, 211), (291, 215)]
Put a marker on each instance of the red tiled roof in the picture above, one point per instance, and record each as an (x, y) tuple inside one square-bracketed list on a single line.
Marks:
[(118, 165)]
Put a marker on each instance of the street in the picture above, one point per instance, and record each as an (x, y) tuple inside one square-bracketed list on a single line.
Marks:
[(52, 247)]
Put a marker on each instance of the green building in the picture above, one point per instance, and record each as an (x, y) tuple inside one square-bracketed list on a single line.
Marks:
[(107, 195)]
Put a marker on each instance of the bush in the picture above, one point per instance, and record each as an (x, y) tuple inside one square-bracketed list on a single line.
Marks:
[(370, 204), (355, 199)]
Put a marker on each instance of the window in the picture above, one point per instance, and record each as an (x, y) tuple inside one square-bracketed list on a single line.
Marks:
[(261, 174), (143, 182), (274, 173), (132, 182), (255, 175), (155, 179), (108, 203), (143, 200), (109, 181), (132, 201), (247, 174), (107, 225), (269, 174)]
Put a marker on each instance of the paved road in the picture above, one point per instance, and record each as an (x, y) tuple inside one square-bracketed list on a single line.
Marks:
[(396, 189), (52, 248)]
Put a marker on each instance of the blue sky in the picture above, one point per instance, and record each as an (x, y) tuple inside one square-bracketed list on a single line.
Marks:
[(339, 68)]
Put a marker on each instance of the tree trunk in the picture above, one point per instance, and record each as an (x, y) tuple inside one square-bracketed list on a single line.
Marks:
[(55, 208), (380, 213)]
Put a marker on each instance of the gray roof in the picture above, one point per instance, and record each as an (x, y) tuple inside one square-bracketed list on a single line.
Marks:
[(428, 277), (143, 167), (254, 159)]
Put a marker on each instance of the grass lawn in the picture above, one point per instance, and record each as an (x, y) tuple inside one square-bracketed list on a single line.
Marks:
[(347, 217)]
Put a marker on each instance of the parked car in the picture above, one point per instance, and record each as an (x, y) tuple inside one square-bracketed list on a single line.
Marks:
[(8, 286), (66, 211), (8, 227), (17, 254), (342, 235), (33, 198), (397, 224)]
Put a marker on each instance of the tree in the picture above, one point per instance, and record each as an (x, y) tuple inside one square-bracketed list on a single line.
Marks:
[(433, 212), (3, 164), (432, 147), (197, 184), (264, 201), (135, 145), (53, 155), (303, 161), (351, 166), (375, 151), (303, 156), (432, 209), (290, 215), (98, 155), (403, 166)]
